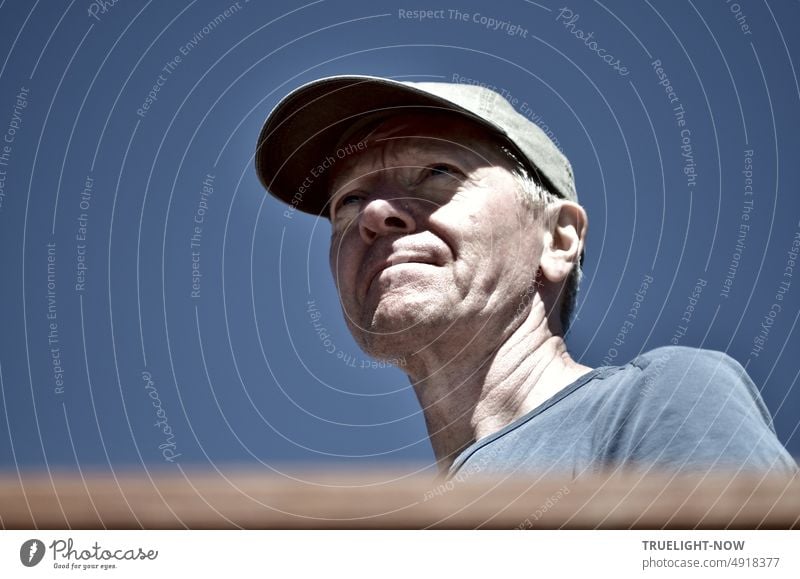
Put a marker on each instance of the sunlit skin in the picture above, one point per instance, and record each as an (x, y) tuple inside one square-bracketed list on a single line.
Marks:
[(438, 262)]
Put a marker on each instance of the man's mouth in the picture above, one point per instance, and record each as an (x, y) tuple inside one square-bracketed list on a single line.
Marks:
[(391, 261)]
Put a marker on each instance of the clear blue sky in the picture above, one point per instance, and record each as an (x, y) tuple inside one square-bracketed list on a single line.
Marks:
[(119, 118)]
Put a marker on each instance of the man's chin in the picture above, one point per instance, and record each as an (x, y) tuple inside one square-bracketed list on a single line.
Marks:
[(398, 316), (393, 329), (382, 348)]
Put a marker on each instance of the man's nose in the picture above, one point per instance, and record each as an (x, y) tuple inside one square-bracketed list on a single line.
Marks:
[(384, 217)]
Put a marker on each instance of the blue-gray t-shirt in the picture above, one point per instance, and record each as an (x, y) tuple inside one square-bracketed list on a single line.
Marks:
[(674, 409)]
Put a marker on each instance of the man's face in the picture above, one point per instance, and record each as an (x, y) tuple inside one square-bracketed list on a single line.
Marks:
[(429, 239)]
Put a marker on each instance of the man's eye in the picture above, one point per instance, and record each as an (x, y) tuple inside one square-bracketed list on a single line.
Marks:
[(441, 169), (349, 199)]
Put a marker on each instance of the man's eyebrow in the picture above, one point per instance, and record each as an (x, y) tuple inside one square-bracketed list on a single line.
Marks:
[(338, 181), (431, 146)]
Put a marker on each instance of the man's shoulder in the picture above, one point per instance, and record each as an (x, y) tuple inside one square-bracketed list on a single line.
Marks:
[(680, 376), (670, 368), (682, 383), (671, 376), (670, 356), (677, 387), (690, 407), (670, 408)]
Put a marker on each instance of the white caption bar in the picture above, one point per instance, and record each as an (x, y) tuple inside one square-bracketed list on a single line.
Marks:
[(406, 554)]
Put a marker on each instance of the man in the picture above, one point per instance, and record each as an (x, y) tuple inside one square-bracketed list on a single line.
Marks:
[(456, 245)]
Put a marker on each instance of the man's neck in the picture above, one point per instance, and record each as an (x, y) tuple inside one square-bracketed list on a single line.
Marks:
[(471, 393)]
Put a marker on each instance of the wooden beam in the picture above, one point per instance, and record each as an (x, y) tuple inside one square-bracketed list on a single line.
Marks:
[(392, 500)]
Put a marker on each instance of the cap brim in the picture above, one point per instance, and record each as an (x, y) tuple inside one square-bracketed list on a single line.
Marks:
[(296, 147)]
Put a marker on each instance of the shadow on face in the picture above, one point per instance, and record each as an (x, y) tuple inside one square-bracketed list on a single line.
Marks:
[(429, 241)]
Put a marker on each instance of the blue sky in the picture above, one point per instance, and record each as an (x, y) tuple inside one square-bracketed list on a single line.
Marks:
[(158, 309)]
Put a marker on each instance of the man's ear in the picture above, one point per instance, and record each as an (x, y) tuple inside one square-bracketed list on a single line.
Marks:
[(565, 225)]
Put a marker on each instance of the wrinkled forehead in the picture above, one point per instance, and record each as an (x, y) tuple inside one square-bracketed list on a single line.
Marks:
[(409, 135)]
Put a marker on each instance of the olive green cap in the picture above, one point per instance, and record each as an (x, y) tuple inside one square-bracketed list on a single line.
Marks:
[(301, 134)]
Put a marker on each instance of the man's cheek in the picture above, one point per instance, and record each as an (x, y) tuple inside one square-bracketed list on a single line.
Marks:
[(345, 286), (335, 260)]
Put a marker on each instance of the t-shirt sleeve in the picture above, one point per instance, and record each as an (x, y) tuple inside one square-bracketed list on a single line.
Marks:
[(693, 410)]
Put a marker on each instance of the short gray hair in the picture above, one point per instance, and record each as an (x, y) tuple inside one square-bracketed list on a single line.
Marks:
[(533, 194)]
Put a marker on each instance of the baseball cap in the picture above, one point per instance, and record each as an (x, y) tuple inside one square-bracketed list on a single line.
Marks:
[(298, 141)]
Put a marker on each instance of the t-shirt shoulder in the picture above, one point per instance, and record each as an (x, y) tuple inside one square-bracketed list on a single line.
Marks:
[(694, 374), (690, 408), (672, 409)]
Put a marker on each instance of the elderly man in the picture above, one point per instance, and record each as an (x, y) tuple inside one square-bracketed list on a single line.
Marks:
[(456, 243)]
